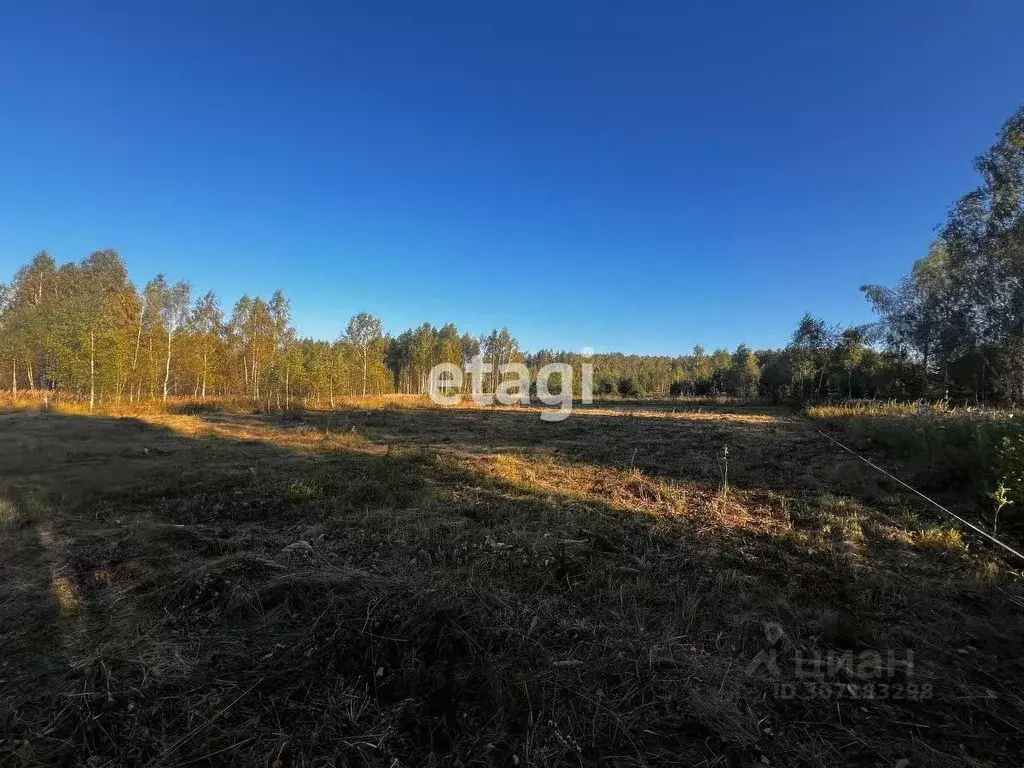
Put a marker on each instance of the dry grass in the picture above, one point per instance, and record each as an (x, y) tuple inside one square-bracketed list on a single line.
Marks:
[(394, 583)]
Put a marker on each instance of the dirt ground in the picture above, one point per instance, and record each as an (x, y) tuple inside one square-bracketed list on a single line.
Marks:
[(405, 585)]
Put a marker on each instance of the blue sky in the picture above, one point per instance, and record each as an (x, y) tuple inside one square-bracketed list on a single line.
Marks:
[(630, 176)]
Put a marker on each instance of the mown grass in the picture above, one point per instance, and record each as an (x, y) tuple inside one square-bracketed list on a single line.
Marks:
[(966, 452), (395, 584)]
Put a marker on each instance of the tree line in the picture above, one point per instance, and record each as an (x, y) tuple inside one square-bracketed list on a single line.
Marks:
[(953, 327), (86, 330)]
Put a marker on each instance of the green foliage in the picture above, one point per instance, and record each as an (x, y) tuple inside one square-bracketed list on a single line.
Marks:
[(627, 387), (1010, 472), (1000, 498), (959, 315), (974, 452)]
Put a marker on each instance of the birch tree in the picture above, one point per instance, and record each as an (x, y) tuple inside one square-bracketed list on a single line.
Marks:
[(207, 324), (363, 335)]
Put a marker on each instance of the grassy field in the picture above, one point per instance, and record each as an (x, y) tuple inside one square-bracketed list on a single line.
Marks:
[(395, 584), (973, 457)]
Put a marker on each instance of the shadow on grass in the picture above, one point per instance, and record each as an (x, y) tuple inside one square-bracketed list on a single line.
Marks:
[(245, 590), (685, 445)]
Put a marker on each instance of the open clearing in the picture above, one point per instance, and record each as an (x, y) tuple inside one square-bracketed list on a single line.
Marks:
[(404, 585)]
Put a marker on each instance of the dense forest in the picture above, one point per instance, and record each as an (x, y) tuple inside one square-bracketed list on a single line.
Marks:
[(953, 328)]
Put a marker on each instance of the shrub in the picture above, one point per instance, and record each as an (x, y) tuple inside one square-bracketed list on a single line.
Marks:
[(628, 387)]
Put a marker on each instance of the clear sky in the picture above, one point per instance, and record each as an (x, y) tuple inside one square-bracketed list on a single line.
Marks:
[(632, 176)]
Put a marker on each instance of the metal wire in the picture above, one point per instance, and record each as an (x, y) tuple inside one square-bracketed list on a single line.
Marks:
[(911, 488)]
